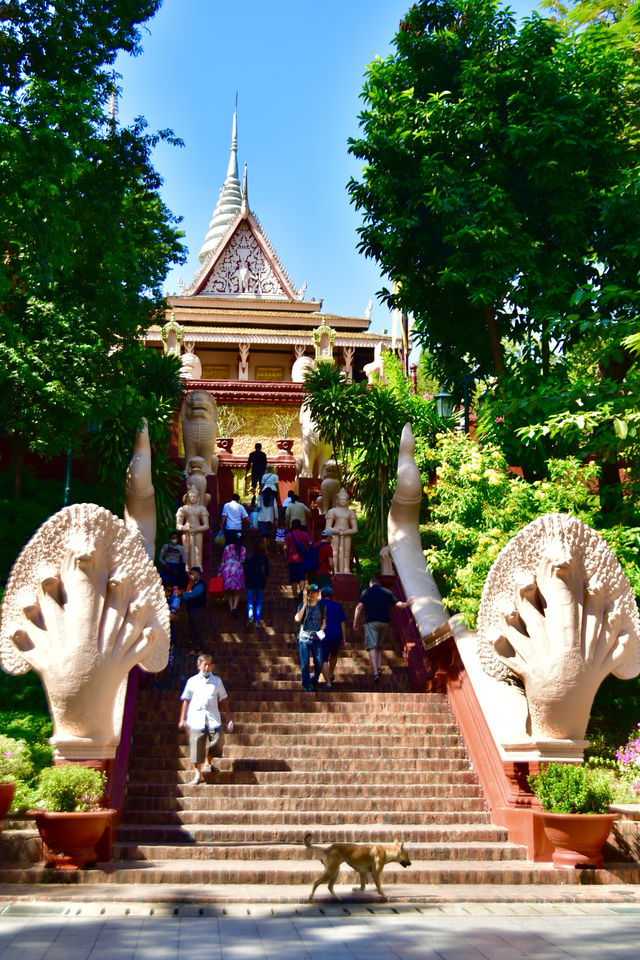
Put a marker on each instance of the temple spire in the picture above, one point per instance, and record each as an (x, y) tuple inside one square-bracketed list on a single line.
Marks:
[(230, 199)]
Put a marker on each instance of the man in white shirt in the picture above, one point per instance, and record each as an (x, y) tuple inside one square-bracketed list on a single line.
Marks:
[(233, 516), (203, 697)]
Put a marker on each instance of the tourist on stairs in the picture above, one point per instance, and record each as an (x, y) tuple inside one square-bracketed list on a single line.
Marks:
[(375, 603), (335, 635), (311, 616), (203, 697), (231, 570), (297, 542), (256, 571)]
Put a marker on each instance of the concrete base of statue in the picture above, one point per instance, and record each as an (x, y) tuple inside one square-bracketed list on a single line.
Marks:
[(346, 588)]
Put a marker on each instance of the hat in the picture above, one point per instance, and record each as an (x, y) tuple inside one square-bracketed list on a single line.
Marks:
[(327, 533), (313, 586), (327, 591)]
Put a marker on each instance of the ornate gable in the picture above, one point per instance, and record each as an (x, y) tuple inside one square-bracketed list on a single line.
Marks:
[(244, 265)]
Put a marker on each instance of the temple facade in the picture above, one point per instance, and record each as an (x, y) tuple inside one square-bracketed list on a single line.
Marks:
[(242, 328)]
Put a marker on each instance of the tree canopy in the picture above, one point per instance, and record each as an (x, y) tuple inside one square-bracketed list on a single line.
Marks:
[(500, 193), (86, 240)]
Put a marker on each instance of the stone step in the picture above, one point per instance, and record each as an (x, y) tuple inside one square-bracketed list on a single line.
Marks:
[(359, 754), (186, 872), (296, 785), (323, 740), (308, 815), (256, 852), (189, 835), (370, 700), (195, 800), (161, 768)]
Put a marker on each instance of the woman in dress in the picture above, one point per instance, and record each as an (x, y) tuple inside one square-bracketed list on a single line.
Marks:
[(232, 572)]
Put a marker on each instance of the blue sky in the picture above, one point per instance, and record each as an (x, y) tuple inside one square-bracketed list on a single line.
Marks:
[(298, 68)]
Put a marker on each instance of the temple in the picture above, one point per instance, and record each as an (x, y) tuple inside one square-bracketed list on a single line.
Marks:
[(241, 324)]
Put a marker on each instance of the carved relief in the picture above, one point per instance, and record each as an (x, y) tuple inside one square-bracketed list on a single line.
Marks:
[(348, 361), (243, 364), (558, 613), (83, 605), (244, 269)]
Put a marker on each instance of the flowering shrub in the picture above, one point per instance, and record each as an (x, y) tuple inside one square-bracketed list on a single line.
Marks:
[(628, 758), (15, 760), (69, 788), (477, 506)]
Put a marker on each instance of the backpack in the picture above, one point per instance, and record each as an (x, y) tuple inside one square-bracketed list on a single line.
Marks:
[(311, 558), (267, 497)]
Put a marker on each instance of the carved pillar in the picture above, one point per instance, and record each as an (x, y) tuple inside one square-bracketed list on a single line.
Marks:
[(348, 361), (243, 363)]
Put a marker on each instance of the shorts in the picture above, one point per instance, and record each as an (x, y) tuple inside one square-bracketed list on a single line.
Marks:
[(331, 647), (296, 572), (207, 743), (374, 634)]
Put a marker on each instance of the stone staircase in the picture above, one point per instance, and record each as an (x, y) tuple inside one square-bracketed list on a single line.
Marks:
[(361, 762)]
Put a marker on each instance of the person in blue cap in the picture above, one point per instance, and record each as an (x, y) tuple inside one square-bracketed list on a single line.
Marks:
[(311, 617), (335, 635)]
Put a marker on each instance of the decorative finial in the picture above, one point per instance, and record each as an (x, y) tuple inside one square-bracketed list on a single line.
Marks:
[(245, 195), (367, 313)]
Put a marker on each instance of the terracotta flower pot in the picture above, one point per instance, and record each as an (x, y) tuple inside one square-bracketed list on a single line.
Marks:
[(578, 838), (70, 838), (7, 791), (285, 445)]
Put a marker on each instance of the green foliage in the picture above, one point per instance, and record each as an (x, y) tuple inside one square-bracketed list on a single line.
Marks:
[(41, 498), (565, 788), (477, 506), (155, 397), (500, 193), (15, 760), (499, 179), (85, 238), (363, 424), (69, 788)]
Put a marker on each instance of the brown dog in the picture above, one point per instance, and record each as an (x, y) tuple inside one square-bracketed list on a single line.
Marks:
[(364, 858)]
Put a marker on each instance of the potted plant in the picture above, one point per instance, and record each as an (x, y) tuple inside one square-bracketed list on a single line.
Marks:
[(70, 817), (229, 422), (15, 765), (282, 423), (575, 803)]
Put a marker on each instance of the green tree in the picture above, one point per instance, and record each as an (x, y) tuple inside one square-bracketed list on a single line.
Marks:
[(86, 241), (500, 192), (363, 424)]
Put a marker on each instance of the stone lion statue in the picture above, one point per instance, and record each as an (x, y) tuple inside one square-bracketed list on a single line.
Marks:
[(199, 417)]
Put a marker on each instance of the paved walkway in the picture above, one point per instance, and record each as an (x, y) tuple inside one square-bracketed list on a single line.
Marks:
[(53, 931), (52, 928)]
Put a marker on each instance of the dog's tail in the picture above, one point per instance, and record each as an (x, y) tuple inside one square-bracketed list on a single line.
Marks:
[(314, 851)]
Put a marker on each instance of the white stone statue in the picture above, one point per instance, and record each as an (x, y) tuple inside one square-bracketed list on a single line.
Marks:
[(375, 369), (192, 521), (558, 613), (195, 471), (83, 605), (199, 418), (330, 486), (190, 366), (314, 450), (342, 521)]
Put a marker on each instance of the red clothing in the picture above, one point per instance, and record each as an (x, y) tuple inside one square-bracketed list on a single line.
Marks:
[(325, 557), (303, 538)]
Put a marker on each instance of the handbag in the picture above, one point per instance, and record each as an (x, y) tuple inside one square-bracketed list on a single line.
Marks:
[(219, 540), (216, 587)]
